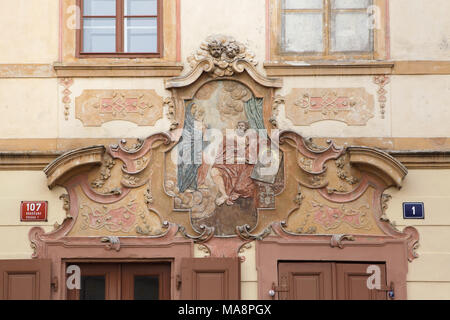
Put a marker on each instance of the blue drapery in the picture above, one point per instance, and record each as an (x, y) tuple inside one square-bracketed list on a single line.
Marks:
[(189, 159), (254, 112)]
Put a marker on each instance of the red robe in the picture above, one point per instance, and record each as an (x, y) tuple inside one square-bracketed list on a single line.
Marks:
[(236, 176)]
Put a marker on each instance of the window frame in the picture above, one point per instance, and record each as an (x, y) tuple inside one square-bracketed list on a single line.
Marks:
[(120, 20), (277, 29)]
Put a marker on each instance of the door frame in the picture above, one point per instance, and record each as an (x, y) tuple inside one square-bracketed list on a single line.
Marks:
[(90, 249), (393, 252)]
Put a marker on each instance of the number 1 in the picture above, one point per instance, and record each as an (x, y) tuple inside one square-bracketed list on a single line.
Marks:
[(414, 211)]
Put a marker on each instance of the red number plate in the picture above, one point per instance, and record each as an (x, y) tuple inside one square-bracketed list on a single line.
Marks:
[(33, 210)]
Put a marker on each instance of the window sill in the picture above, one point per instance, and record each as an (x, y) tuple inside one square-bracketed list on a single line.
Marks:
[(306, 68), (73, 70)]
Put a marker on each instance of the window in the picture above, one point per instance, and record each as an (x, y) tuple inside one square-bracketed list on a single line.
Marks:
[(112, 28), (328, 29)]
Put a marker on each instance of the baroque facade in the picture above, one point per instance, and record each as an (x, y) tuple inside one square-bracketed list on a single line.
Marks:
[(146, 133)]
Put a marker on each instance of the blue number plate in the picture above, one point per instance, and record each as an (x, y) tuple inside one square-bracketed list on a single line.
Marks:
[(413, 210)]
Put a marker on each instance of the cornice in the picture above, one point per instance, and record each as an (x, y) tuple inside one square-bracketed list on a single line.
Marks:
[(38, 160)]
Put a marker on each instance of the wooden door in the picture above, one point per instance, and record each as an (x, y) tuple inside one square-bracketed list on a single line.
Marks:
[(351, 281), (146, 282), (305, 281), (328, 280), (128, 281), (210, 279), (25, 279), (98, 282)]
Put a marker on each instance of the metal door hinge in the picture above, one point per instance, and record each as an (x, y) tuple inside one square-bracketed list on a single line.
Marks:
[(54, 284), (178, 282)]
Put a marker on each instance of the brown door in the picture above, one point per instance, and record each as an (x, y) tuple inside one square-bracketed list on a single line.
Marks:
[(352, 282), (25, 279), (306, 281), (210, 279), (328, 280), (98, 282), (127, 281), (139, 282)]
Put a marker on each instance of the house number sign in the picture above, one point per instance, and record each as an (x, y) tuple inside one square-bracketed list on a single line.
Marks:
[(33, 210), (413, 210)]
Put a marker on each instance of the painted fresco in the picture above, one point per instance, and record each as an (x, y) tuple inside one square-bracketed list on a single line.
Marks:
[(217, 174), (215, 170)]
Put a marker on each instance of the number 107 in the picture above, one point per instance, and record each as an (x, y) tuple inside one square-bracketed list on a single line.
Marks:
[(33, 206)]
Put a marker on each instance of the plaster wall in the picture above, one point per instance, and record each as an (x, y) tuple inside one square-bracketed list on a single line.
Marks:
[(428, 276), (416, 107), (420, 29), (411, 24), (29, 31)]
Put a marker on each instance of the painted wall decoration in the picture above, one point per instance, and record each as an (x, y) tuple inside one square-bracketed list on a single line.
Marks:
[(203, 180), (381, 81), (225, 190), (95, 107), (354, 106), (66, 83)]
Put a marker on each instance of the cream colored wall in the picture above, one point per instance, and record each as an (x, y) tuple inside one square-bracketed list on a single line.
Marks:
[(375, 127), (420, 29), (419, 106), (416, 107), (73, 128), (17, 186), (411, 24), (28, 108), (420, 100), (243, 20), (428, 276), (29, 31)]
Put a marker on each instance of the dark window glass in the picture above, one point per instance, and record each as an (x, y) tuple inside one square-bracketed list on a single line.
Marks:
[(92, 288), (146, 288)]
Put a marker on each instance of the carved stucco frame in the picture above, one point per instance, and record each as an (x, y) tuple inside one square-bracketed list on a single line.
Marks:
[(281, 247), (62, 250), (68, 170), (395, 248), (274, 243)]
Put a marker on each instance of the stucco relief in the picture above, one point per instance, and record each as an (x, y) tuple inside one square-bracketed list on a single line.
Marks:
[(95, 107), (354, 106), (222, 53), (66, 83), (382, 81), (220, 198)]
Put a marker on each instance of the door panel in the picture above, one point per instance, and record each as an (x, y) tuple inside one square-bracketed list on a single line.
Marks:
[(210, 279), (128, 281), (352, 282), (306, 281), (98, 282), (146, 281), (327, 280), (210, 285), (25, 279)]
